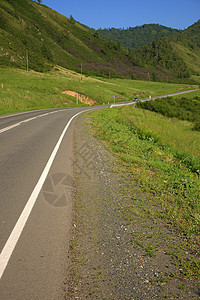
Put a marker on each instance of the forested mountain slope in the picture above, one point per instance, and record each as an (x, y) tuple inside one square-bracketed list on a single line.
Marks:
[(32, 32), (187, 45), (136, 37), (177, 56)]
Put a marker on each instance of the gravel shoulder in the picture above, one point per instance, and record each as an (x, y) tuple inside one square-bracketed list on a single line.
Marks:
[(115, 255)]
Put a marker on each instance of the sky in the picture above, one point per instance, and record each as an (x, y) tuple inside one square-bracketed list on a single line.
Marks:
[(178, 14)]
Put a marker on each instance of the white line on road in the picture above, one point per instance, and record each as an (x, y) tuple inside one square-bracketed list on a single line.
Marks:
[(28, 120), (17, 114), (21, 113), (9, 127), (15, 234)]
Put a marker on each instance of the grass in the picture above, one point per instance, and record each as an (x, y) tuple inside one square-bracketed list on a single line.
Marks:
[(183, 108), (171, 132), (159, 154), (148, 249), (196, 78), (26, 91), (33, 90)]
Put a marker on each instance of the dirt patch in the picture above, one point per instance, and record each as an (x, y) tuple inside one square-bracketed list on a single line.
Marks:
[(117, 250), (84, 99), (193, 87)]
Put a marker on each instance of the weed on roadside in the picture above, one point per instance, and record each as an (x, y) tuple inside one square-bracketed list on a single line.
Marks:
[(151, 164)]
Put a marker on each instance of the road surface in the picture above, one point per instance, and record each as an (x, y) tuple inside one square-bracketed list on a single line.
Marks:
[(33, 261), (36, 186)]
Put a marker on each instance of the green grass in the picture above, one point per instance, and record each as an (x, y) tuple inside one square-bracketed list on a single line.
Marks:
[(181, 107), (147, 144), (32, 90), (196, 78), (158, 158), (171, 132), (26, 91)]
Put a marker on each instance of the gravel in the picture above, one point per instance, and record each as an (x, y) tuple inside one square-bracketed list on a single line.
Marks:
[(114, 256)]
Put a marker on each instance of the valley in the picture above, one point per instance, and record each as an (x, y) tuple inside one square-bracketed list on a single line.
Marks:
[(99, 200)]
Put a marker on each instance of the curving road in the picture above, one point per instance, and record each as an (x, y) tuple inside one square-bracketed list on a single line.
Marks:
[(36, 188), (154, 98), (34, 235)]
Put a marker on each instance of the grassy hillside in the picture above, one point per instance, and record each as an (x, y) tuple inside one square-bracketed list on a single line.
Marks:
[(52, 39), (136, 37), (35, 33), (33, 90)]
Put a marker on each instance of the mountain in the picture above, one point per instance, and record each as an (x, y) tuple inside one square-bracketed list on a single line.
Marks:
[(32, 32), (136, 37), (167, 53), (29, 30), (177, 56), (187, 46)]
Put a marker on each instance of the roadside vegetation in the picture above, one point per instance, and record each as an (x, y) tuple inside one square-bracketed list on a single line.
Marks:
[(182, 108), (161, 157), (21, 90)]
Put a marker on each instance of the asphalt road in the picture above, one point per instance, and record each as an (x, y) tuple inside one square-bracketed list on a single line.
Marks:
[(33, 260), (36, 188)]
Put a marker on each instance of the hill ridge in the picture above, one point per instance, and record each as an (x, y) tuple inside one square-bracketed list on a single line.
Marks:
[(138, 36), (50, 39), (53, 39)]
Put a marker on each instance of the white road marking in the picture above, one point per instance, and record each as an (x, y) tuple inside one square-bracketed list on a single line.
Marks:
[(17, 114), (121, 104), (21, 113), (15, 234), (9, 127), (28, 120)]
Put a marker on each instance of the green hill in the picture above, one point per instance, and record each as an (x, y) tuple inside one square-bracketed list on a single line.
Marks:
[(52, 39), (177, 56), (187, 46), (136, 37), (167, 53), (34, 32)]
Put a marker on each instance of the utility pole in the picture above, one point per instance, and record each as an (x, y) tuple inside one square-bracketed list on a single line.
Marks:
[(27, 69)]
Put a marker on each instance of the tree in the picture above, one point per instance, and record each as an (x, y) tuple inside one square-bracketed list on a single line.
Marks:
[(72, 20), (39, 1)]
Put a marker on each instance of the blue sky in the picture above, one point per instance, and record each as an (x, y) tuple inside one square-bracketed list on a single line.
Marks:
[(124, 13)]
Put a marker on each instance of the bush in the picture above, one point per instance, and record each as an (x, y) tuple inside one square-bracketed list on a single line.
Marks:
[(196, 126), (172, 107)]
